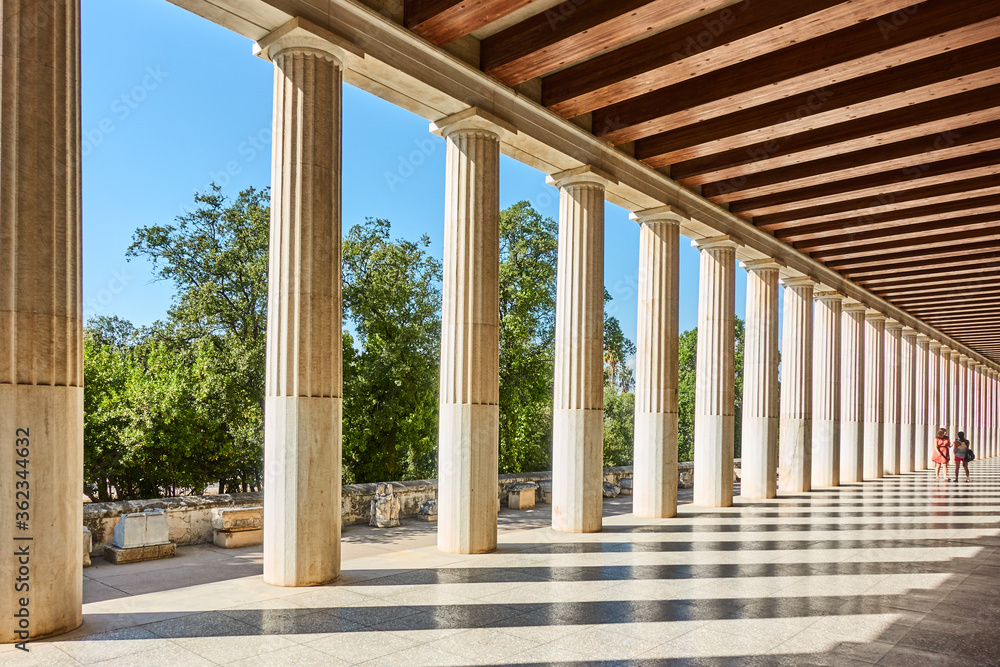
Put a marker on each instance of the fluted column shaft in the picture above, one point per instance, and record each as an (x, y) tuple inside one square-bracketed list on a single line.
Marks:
[(970, 401), (994, 436), (654, 477), (760, 382), (826, 390), (954, 394), (852, 393), (714, 405), (41, 330), (795, 453), (469, 418), (962, 420), (908, 400), (933, 397), (578, 416), (303, 396), (977, 417), (944, 391), (922, 384), (893, 394), (874, 395)]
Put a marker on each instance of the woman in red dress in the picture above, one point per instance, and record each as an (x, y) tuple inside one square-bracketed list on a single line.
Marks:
[(940, 456)]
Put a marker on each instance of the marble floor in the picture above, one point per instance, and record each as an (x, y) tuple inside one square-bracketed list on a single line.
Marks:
[(900, 571)]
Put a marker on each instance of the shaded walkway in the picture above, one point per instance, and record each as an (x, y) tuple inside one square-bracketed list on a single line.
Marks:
[(896, 571)]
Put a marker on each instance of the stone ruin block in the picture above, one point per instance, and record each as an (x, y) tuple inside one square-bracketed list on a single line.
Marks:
[(545, 489), (521, 496), (384, 508), (140, 536), (625, 485), (428, 511), (234, 527), (88, 544), (611, 490)]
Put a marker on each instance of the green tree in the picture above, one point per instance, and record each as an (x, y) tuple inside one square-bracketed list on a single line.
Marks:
[(687, 357), (528, 259), (216, 258), (392, 297)]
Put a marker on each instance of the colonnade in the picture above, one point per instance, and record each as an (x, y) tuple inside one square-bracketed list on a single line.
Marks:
[(861, 396)]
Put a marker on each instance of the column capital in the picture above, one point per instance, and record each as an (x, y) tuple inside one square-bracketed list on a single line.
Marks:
[(934, 345), (828, 295), (945, 349), (302, 35), (955, 354), (799, 281), (910, 333), (713, 242), (585, 175), (473, 119), (854, 306), (874, 316), (669, 214), (893, 325), (765, 264)]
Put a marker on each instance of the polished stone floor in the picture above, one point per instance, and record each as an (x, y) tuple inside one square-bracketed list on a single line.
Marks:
[(901, 571)]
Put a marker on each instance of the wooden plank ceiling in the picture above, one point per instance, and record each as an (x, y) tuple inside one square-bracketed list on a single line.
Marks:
[(865, 133)]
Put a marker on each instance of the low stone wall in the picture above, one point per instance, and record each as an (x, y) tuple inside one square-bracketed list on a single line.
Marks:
[(189, 518)]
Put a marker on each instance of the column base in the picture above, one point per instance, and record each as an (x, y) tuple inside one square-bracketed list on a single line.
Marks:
[(851, 452), (302, 468), (795, 468), (467, 478), (577, 470), (758, 478), (874, 467), (53, 419), (654, 468), (826, 453), (713, 460)]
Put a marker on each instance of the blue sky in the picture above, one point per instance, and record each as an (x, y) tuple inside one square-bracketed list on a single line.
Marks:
[(172, 102)]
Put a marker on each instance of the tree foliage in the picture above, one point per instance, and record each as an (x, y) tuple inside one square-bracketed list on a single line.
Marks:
[(687, 354), (392, 296), (528, 260)]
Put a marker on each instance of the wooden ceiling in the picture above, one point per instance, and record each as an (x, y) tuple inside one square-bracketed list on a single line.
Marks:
[(865, 133)]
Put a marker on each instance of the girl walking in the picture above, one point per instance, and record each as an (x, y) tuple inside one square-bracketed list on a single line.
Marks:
[(941, 456), (963, 452)]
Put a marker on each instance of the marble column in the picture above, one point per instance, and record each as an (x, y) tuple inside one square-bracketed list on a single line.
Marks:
[(654, 477), (892, 430), (961, 368), (578, 414), (303, 385), (933, 397), (469, 408), (922, 384), (852, 392), (759, 440), (874, 394), (994, 436), (715, 383), (826, 390), (970, 389), (944, 391), (795, 451), (954, 393), (977, 419), (908, 400), (41, 330)]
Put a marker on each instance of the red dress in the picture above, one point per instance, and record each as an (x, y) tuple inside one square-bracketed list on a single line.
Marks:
[(941, 455)]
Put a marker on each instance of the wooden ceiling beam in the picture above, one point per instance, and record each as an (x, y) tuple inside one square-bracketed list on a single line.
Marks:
[(939, 115), (912, 83), (851, 52), (702, 45), (902, 156), (936, 286), (885, 201), (443, 21), (873, 280), (987, 294), (988, 250), (933, 172), (990, 232), (790, 231), (902, 235), (575, 31)]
